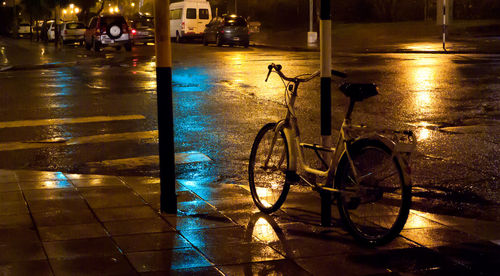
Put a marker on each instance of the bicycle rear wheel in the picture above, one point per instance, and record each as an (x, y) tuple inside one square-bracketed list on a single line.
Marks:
[(376, 210), (267, 180)]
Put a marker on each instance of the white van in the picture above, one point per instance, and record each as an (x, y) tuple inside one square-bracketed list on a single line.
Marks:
[(188, 18)]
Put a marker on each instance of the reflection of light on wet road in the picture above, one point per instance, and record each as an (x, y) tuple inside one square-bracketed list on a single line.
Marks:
[(264, 231), (423, 134)]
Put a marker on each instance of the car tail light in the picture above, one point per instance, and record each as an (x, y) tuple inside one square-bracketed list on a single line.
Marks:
[(183, 26), (133, 31), (221, 31)]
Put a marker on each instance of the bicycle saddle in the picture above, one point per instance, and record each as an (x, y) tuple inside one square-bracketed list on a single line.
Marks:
[(359, 91)]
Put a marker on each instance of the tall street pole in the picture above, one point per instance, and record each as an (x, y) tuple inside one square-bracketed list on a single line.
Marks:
[(325, 34), (168, 198)]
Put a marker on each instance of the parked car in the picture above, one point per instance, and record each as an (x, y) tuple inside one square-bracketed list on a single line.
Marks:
[(72, 32), (188, 19), (230, 29), (107, 30), (142, 29), (48, 30), (24, 30)]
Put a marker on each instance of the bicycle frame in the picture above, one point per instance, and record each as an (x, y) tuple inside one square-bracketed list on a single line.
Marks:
[(348, 134)]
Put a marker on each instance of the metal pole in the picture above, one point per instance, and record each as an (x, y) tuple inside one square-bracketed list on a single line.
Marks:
[(326, 98), (235, 6), (56, 25), (444, 25), (168, 198), (311, 7)]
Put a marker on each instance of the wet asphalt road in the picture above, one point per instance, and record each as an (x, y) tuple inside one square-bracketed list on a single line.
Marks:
[(107, 106)]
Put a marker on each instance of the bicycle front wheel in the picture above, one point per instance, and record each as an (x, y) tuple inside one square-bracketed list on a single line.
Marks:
[(267, 169), (375, 210)]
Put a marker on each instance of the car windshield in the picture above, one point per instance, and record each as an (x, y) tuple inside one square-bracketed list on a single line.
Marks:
[(143, 24), (107, 20), (73, 26), (238, 21)]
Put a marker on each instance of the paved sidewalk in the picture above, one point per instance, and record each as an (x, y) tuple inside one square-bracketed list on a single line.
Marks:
[(468, 37), (67, 224)]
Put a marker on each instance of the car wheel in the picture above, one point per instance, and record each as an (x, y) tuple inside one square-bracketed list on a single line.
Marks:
[(96, 46), (87, 45), (178, 38), (246, 44), (205, 42), (128, 47), (219, 41), (118, 48)]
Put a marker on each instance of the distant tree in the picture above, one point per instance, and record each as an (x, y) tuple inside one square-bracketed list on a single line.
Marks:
[(385, 9)]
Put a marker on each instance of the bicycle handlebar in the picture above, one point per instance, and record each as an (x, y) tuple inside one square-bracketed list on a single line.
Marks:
[(277, 69)]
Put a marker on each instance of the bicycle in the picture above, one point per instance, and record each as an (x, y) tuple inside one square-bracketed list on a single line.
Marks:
[(368, 172)]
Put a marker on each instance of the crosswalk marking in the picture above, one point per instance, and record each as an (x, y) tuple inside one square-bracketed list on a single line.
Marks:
[(61, 121), (102, 138), (133, 162)]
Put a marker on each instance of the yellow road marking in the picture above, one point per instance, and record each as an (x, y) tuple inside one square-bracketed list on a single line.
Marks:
[(62, 121), (103, 138)]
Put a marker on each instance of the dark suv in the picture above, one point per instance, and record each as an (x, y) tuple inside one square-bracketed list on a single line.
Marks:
[(229, 29), (107, 30)]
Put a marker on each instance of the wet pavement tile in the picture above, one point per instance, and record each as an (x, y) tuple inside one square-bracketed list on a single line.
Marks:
[(110, 199), (183, 196), (215, 236), (239, 217), (71, 232), (17, 252), (38, 206), (137, 226), (109, 265), (39, 175), (51, 194), (8, 187), (97, 182), (487, 230), (167, 260), (45, 184), (224, 254), (16, 221), (64, 217), (41, 267), (199, 221), (140, 180), (223, 191), (205, 271), (416, 221), (483, 257), (14, 196), (195, 207), (433, 237), (231, 205), (13, 208), (18, 235), (151, 242), (70, 249), (7, 177), (75, 176), (146, 188), (125, 213), (279, 267)]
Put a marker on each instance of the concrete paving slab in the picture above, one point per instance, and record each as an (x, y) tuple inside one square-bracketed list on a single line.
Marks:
[(110, 265), (208, 271), (45, 184), (71, 232), (70, 249), (137, 226), (200, 221), (16, 221), (434, 237), (64, 217), (215, 236), (167, 260), (125, 213), (18, 235), (44, 205), (50, 194), (9, 187), (13, 208), (17, 252), (41, 268), (223, 254), (151, 242), (279, 267), (97, 182)]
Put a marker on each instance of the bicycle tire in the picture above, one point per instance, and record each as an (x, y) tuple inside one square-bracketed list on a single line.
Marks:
[(383, 190), (268, 185)]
